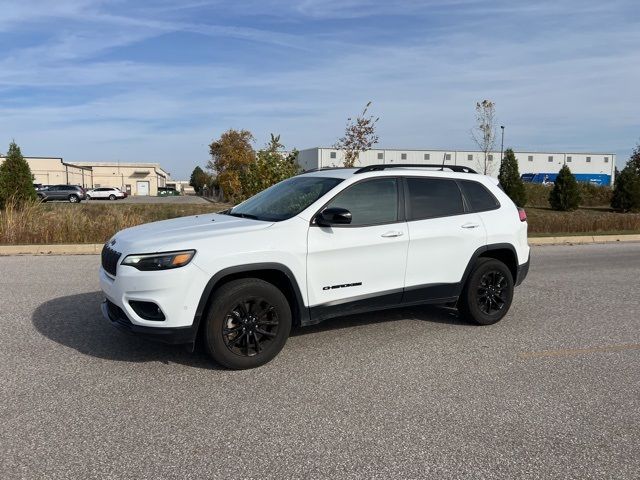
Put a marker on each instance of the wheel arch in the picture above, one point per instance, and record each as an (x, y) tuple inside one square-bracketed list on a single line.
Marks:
[(504, 252), (275, 273)]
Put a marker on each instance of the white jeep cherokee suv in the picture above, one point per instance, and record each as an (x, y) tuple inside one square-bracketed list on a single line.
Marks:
[(322, 244)]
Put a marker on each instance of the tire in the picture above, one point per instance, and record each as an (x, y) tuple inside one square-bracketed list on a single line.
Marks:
[(244, 312), (112, 197), (488, 292), (74, 199), (88, 197)]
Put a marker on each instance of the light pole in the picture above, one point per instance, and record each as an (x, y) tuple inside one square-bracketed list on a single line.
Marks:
[(501, 142)]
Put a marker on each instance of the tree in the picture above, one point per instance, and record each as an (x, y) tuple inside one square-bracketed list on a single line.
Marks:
[(626, 193), (359, 136), (16, 180), (231, 156), (565, 195), (484, 133), (510, 180), (199, 178), (272, 165)]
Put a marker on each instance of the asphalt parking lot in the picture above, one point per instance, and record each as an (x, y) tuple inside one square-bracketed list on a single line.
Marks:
[(553, 391)]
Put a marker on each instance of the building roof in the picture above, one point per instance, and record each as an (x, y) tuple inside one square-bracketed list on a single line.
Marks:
[(568, 152)]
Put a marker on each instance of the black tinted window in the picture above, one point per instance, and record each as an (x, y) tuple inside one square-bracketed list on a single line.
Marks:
[(433, 197), (371, 202), (478, 197)]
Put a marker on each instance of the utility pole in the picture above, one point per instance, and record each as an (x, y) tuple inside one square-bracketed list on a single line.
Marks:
[(501, 143)]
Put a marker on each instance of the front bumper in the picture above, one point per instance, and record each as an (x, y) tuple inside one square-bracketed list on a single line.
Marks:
[(120, 320), (175, 292)]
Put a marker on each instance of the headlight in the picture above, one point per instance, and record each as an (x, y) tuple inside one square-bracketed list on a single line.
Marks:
[(159, 261)]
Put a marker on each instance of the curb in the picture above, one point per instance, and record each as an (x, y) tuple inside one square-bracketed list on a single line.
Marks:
[(61, 249), (96, 248), (581, 239)]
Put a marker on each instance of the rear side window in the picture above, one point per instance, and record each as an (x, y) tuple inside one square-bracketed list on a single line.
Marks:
[(370, 203), (478, 197), (433, 197)]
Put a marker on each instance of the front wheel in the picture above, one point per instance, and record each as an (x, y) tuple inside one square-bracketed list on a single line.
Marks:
[(247, 324), (488, 293)]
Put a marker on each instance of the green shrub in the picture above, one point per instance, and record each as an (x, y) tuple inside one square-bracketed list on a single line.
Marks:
[(565, 195), (510, 180), (16, 181), (594, 195), (626, 193)]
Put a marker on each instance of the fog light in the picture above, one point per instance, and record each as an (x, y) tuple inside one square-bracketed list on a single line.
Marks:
[(147, 310)]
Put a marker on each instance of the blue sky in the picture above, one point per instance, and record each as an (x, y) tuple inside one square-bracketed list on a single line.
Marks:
[(93, 80)]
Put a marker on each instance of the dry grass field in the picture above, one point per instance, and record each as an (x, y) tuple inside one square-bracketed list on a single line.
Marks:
[(97, 222)]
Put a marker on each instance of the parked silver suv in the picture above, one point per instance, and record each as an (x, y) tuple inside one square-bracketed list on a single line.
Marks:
[(69, 193)]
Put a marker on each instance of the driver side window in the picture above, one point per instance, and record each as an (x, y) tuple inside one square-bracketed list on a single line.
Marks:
[(371, 202)]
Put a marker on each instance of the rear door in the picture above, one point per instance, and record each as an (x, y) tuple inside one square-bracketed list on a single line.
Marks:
[(443, 236), (360, 265)]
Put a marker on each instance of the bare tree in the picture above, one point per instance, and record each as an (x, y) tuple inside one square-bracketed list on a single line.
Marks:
[(484, 133), (359, 136)]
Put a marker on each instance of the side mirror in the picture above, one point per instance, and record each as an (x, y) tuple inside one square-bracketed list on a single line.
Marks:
[(333, 216)]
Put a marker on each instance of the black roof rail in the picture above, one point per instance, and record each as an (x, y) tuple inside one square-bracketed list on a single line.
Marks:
[(439, 166), (322, 169)]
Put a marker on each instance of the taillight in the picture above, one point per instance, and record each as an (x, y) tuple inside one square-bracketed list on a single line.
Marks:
[(522, 214)]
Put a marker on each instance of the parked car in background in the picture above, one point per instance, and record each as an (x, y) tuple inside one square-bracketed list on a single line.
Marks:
[(167, 192), (106, 193), (69, 193), (38, 186)]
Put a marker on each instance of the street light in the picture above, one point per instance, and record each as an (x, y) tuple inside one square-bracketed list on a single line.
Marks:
[(501, 142)]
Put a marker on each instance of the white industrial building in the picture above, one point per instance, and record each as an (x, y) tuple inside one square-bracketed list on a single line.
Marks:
[(596, 168)]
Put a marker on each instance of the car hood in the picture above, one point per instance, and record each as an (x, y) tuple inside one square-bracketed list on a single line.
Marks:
[(181, 233)]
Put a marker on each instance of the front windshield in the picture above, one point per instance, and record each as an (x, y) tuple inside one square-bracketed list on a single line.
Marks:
[(285, 199)]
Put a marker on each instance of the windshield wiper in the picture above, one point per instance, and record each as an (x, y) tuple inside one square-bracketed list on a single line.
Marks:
[(243, 215)]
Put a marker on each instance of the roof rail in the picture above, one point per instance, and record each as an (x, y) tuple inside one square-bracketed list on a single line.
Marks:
[(321, 169), (453, 168)]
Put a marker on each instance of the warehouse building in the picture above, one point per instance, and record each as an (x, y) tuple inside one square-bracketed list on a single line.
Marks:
[(134, 178), (138, 179), (597, 168)]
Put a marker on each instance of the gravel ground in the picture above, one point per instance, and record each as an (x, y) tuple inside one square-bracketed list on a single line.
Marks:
[(552, 391)]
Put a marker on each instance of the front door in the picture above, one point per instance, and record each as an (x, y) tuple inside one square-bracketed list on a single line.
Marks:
[(143, 188), (361, 265)]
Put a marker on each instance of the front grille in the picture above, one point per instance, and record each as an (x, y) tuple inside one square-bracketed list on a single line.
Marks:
[(110, 260)]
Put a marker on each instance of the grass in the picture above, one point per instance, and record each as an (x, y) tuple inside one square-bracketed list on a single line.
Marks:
[(584, 221), (95, 223), (52, 223)]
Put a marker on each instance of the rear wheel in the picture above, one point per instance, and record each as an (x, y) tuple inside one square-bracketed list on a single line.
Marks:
[(488, 293), (112, 197), (247, 324), (74, 199)]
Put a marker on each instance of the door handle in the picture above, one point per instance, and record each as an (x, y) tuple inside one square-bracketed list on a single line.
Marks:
[(392, 234), (470, 225)]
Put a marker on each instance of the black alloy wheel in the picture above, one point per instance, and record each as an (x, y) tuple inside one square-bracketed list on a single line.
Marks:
[(250, 326), (488, 292), (247, 324), (492, 295)]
